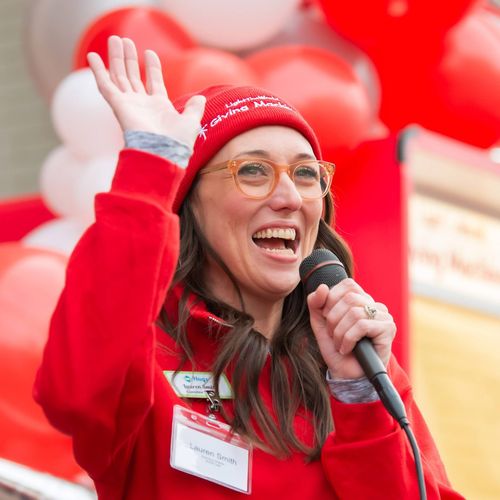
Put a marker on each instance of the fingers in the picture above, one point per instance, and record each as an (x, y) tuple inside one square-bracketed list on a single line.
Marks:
[(117, 69), (355, 325), (195, 107), (154, 75), (350, 291), (381, 333), (101, 74), (341, 310), (132, 65), (317, 299), (124, 71)]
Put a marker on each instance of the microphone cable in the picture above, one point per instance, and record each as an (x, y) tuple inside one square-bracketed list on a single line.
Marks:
[(418, 462)]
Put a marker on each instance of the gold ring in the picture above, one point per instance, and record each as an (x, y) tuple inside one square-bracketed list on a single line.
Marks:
[(370, 311)]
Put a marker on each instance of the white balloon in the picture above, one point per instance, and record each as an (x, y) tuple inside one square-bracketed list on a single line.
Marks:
[(60, 235), (52, 29), (231, 24), (59, 177), (96, 178), (82, 118)]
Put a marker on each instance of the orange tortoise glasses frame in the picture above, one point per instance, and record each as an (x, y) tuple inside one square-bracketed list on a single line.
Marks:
[(257, 178)]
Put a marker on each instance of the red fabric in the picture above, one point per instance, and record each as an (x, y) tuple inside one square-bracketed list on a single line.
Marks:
[(230, 111), (370, 190), (101, 378)]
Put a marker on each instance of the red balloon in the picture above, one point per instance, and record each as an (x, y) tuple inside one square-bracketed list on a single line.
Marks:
[(420, 22), (194, 69), (404, 39), (149, 29), (305, 27), (464, 100), (30, 283), (323, 87)]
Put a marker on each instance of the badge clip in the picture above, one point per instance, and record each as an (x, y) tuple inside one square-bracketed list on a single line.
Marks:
[(213, 403)]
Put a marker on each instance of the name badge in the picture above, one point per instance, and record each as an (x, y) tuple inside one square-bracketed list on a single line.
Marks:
[(196, 384), (208, 449)]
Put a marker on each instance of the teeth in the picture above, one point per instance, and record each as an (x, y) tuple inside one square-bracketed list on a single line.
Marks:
[(280, 250), (283, 233)]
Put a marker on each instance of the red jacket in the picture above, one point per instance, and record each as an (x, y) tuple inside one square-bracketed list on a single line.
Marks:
[(102, 381)]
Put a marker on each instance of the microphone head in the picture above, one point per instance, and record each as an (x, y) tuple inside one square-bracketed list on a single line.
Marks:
[(322, 266)]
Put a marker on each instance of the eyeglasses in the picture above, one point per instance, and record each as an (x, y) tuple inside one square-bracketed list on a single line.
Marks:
[(257, 178)]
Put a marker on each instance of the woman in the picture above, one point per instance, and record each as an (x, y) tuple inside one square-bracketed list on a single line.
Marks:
[(156, 336)]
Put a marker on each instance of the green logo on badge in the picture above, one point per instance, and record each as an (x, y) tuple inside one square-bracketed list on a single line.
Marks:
[(196, 384)]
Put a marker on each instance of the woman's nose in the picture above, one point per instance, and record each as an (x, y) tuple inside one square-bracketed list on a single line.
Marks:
[(285, 194)]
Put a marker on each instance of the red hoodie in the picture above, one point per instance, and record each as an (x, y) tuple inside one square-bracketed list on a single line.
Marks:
[(102, 380)]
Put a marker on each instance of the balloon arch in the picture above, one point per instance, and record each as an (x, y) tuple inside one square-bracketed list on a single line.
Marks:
[(358, 71)]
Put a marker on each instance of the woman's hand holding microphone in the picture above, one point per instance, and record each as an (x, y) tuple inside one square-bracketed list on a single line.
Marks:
[(339, 319)]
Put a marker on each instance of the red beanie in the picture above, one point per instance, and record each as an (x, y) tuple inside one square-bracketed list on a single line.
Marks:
[(229, 112)]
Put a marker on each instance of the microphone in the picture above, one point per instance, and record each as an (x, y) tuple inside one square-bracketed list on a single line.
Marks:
[(323, 266)]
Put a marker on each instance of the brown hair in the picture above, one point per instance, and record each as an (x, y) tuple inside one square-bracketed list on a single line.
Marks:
[(297, 368)]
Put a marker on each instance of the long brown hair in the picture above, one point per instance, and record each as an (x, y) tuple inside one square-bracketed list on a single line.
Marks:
[(297, 368)]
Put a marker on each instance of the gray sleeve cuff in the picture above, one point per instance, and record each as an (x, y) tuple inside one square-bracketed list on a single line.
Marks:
[(160, 145), (358, 390)]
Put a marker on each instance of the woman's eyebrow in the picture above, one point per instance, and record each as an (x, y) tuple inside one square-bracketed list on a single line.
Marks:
[(255, 152), (305, 156), (262, 153)]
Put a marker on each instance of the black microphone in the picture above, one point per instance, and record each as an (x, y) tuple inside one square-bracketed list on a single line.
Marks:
[(323, 266)]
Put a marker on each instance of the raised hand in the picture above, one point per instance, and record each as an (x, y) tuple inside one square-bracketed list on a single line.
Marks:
[(339, 319), (142, 108)]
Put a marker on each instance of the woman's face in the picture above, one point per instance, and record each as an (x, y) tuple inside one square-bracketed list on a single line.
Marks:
[(243, 231)]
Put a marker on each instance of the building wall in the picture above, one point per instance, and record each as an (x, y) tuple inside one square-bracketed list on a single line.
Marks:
[(454, 237), (26, 133)]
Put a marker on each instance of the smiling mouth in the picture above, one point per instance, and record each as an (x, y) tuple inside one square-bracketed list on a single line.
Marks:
[(277, 240)]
